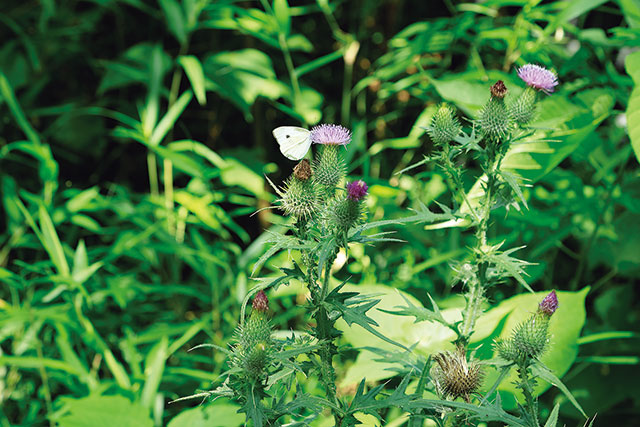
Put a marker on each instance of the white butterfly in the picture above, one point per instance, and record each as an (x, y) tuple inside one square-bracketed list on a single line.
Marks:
[(294, 141)]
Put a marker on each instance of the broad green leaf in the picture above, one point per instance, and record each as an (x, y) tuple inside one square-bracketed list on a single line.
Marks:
[(133, 66), (174, 15), (193, 68), (242, 76), (236, 173), (153, 369), (283, 16), (631, 11), (632, 65), (216, 414), (102, 411)]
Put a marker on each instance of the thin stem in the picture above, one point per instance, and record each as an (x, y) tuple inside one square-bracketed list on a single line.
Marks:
[(45, 383), (168, 164), (295, 85), (153, 173)]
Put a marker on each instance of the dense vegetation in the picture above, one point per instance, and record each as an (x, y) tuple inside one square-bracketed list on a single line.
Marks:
[(136, 143)]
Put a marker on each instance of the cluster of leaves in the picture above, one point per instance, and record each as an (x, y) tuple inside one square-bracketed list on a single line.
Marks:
[(105, 264)]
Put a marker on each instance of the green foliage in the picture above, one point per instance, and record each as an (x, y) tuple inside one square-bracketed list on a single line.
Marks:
[(126, 236)]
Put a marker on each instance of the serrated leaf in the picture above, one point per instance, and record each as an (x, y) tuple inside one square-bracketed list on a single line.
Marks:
[(545, 373), (553, 417), (632, 65)]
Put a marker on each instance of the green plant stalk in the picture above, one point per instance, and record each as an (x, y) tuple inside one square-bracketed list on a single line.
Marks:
[(476, 292), (327, 349), (152, 167), (527, 390), (168, 164), (295, 85), (45, 381)]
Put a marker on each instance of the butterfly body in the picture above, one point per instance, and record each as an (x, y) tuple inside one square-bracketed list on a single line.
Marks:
[(294, 141)]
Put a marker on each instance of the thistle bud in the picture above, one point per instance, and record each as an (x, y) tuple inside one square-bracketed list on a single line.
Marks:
[(455, 376), (444, 125), (299, 197), (494, 117), (530, 338), (252, 351), (523, 110), (347, 211), (549, 304), (260, 302)]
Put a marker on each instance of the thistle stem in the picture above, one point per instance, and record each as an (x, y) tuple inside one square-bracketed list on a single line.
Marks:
[(327, 348), (527, 390)]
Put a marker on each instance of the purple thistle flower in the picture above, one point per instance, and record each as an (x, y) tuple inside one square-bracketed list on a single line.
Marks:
[(538, 77), (357, 190), (549, 304), (330, 134)]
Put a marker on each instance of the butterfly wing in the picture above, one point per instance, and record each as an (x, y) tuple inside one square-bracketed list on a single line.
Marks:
[(294, 141)]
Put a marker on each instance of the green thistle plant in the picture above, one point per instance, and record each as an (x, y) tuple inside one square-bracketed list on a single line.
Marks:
[(347, 211), (494, 118), (328, 167), (444, 125), (254, 345), (300, 197), (529, 339), (455, 375)]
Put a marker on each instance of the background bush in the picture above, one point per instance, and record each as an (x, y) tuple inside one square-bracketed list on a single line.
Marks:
[(136, 136)]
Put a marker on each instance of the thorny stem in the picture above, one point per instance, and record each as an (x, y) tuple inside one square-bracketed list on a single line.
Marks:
[(527, 390), (476, 288), (327, 349), (456, 182)]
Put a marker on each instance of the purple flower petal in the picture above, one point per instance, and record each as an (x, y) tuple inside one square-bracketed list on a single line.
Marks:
[(538, 77), (549, 304), (330, 134), (357, 190)]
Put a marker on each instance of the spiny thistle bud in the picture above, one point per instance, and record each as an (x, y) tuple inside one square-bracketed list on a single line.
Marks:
[(254, 344), (347, 211), (302, 170), (444, 125), (328, 167), (530, 338), (494, 118), (523, 110), (299, 197), (455, 376)]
